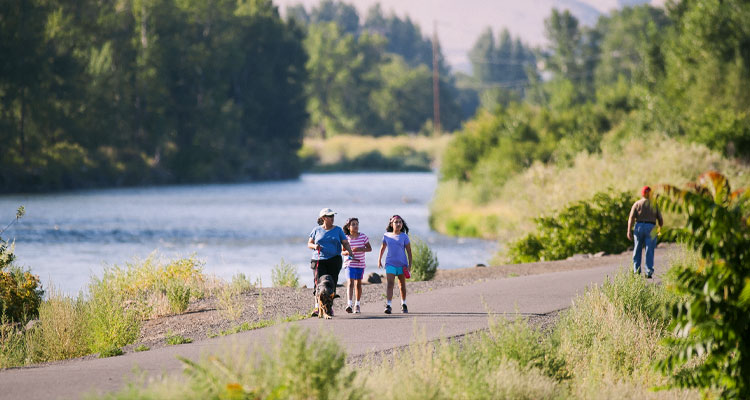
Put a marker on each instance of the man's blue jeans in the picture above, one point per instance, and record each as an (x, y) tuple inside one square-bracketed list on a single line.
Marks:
[(642, 235)]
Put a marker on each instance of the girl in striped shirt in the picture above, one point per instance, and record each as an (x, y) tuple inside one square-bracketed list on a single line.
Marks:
[(355, 264)]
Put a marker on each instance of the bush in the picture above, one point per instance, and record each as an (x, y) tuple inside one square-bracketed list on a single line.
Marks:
[(178, 295), (242, 283), (230, 302), (284, 274), (62, 327), (20, 291), (424, 261), (20, 294), (590, 226), (109, 322)]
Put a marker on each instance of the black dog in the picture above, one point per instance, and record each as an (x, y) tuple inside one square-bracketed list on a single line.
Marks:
[(325, 292)]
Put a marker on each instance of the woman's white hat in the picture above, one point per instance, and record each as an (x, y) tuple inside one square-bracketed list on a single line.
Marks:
[(326, 211)]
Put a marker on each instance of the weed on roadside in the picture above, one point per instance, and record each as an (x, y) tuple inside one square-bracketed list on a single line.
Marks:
[(175, 339)]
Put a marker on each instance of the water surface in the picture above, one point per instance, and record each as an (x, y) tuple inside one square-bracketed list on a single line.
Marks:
[(67, 237)]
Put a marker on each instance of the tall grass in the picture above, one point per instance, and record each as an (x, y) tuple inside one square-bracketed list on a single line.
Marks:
[(297, 366), (62, 327), (284, 274), (105, 317), (507, 212)]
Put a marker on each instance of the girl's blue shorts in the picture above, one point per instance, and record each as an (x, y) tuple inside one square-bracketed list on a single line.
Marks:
[(390, 269), (355, 273)]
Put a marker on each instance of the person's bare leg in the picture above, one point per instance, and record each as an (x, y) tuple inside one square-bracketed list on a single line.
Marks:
[(389, 286), (402, 286), (358, 289), (349, 289)]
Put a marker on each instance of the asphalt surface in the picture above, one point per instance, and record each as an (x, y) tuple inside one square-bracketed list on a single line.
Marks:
[(439, 313)]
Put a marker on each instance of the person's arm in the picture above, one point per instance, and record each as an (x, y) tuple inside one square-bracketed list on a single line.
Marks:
[(312, 245), (346, 245), (380, 256), (408, 253), (630, 222)]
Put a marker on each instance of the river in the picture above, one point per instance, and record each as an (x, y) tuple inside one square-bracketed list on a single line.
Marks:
[(65, 238)]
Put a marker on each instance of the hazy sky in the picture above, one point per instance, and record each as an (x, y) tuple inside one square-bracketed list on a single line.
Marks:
[(460, 22)]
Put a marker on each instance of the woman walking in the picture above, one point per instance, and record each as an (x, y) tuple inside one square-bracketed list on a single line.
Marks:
[(326, 241)]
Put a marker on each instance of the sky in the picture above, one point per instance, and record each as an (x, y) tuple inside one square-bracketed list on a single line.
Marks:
[(460, 22)]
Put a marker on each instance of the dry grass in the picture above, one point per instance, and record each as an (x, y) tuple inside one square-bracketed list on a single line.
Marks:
[(337, 148), (509, 211)]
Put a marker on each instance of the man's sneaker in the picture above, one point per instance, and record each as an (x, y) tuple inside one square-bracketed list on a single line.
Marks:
[(348, 309), (387, 309), (314, 312), (356, 310), (648, 276), (404, 309)]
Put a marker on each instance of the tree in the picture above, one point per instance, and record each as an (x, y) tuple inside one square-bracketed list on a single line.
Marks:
[(629, 39), (707, 73), (711, 347), (343, 72), (344, 15)]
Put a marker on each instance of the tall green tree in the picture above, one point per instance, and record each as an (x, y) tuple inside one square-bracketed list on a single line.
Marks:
[(707, 74), (343, 72)]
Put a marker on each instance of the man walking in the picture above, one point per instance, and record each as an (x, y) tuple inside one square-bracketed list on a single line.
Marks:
[(645, 216)]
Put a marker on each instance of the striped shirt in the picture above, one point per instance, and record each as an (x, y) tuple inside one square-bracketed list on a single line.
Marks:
[(359, 241)]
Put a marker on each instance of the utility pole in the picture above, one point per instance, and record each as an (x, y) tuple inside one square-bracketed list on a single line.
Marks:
[(435, 82)]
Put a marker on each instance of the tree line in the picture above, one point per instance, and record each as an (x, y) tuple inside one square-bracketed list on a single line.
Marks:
[(134, 92)]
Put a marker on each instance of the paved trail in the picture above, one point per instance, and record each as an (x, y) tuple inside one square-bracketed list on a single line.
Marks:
[(439, 313)]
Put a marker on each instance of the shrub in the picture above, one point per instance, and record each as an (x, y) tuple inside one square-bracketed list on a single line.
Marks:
[(712, 344), (62, 327), (178, 295), (109, 323), (590, 226), (144, 285), (284, 274), (242, 283), (230, 302), (424, 261), (20, 293)]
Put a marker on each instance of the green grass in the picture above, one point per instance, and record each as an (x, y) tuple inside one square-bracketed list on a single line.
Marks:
[(141, 347), (110, 352), (175, 339)]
